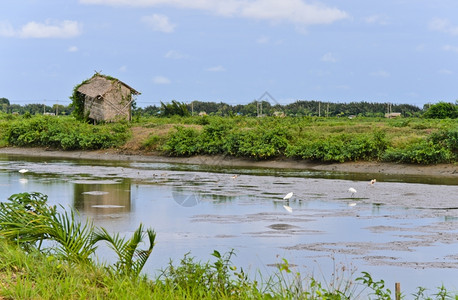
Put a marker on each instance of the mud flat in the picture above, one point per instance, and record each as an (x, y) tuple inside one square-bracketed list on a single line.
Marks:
[(439, 170)]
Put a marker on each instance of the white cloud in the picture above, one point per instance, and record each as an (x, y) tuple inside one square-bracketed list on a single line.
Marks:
[(380, 73), (450, 48), (294, 11), (48, 29), (377, 19), (159, 23), (443, 25), (173, 54), (216, 69), (161, 80), (329, 57), (72, 49), (445, 72)]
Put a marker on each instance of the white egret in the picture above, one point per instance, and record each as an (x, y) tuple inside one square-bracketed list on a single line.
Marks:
[(352, 204), (352, 191), (22, 171), (288, 196), (373, 181)]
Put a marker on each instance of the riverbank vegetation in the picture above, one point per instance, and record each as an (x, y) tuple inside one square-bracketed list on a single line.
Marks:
[(49, 253), (64, 133), (405, 140)]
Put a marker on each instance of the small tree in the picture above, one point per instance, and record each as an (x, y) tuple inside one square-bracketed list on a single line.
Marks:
[(174, 108), (442, 110), (4, 104)]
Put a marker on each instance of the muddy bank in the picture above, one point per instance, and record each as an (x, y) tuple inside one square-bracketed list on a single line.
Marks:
[(440, 170)]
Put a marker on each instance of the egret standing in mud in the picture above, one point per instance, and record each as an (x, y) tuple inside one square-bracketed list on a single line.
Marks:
[(22, 171), (352, 191), (287, 197)]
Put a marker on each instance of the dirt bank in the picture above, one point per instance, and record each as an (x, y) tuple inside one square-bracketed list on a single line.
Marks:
[(445, 170)]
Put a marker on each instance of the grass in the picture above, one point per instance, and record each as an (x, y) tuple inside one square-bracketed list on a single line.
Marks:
[(65, 270), (35, 275)]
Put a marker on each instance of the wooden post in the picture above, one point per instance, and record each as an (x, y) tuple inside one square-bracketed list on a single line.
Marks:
[(397, 288)]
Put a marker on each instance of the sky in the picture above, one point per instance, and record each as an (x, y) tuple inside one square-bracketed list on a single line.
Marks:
[(232, 51)]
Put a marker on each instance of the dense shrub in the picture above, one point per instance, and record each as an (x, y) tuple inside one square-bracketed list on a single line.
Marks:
[(65, 133), (213, 138), (182, 142), (438, 147), (424, 152), (340, 148), (442, 110), (447, 139), (312, 138)]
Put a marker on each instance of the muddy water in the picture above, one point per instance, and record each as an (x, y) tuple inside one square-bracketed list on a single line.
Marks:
[(397, 229)]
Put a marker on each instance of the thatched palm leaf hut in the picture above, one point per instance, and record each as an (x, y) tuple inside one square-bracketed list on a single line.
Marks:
[(104, 98)]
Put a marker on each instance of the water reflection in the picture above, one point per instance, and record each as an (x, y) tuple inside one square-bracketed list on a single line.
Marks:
[(101, 199)]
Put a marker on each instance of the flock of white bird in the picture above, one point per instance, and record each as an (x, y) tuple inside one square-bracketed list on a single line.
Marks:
[(351, 190)]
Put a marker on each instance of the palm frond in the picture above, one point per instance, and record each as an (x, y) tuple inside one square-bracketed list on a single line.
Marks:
[(73, 237), (130, 259)]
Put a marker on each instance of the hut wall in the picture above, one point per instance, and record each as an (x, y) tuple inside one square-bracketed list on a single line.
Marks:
[(116, 104), (95, 108)]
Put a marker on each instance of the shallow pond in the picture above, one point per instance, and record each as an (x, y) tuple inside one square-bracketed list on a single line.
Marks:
[(398, 229)]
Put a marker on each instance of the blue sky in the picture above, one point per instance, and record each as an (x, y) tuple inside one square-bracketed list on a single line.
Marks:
[(400, 51)]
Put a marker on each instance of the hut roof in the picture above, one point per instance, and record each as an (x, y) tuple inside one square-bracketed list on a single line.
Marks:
[(99, 85)]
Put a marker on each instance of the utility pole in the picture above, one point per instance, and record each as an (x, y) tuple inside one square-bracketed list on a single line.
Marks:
[(44, 106), (57, 107), (327, 110), (319, 109), (192, 108)]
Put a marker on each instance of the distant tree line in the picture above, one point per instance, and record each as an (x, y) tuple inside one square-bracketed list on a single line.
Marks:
[(298, 108), (34, 109)]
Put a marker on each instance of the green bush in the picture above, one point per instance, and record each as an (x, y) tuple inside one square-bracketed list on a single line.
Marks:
[(448, 139), (438, 147), (442, 110), (340, 148), (152, 142), (424, 152), (65, 133), (258, 143), (213, 138), (182, 142)]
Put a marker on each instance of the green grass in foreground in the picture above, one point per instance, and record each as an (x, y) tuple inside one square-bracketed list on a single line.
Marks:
[(65, 269)]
